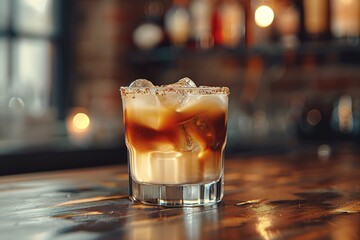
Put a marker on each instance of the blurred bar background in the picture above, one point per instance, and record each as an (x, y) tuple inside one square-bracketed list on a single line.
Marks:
[(293, 68)]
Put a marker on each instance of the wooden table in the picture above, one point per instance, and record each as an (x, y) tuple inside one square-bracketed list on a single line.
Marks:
[(294, 196)]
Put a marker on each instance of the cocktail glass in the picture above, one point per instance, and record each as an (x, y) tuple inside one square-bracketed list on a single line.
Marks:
[(175, 136)]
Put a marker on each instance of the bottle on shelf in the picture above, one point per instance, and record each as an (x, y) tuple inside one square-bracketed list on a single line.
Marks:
[(316, 17), (149, 34), (288, 23), (229, 23), (177, 23), (345, 20), (201, 16)]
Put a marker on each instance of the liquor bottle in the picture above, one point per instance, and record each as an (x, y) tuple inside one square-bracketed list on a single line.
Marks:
[(177, 23), (316, 19), (201, 15), (229, 23), (149, 33), (345, 20), (216, 24), (288, 23)]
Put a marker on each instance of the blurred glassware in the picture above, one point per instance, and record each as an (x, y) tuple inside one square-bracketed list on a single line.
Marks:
[(345, 119), (345, 114), (17, 121), (19, 129)]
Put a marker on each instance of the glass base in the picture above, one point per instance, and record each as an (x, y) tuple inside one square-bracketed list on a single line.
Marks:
[(177, 195)]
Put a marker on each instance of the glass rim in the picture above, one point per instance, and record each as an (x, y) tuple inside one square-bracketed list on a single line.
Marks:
[(156, 90)]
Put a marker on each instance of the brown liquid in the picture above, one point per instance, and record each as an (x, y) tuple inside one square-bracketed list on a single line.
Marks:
[(170, 145)]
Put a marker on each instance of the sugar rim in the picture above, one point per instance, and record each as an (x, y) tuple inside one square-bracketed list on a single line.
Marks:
[(202, 90)]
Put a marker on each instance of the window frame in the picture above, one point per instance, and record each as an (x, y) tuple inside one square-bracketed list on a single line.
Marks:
[(60, 42)]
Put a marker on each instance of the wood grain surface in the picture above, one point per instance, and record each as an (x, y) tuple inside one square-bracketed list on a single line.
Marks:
[(266, 197)]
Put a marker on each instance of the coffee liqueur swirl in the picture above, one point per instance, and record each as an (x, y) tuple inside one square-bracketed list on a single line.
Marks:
[(175, 133)]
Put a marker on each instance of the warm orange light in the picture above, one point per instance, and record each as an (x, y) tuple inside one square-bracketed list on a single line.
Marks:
[(313, 117), (264, 16), (81, 121)]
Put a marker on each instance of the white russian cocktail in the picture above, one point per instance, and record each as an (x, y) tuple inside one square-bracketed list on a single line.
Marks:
[(175, 135)]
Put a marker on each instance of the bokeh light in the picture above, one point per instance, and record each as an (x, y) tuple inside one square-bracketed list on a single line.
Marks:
[(81, 121), (264, 16), (313, 117)]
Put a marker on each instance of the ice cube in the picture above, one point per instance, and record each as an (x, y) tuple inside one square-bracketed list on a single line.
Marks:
[(184, 82), (200, 132), (176, 100), (204, 130), (170, 101), (146, 110), (141, 83), (209, 103), (186, 142)]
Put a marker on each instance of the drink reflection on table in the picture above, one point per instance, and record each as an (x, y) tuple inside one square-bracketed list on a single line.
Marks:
[(196, 223)]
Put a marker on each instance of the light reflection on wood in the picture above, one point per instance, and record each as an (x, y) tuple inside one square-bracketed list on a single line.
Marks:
[(280, 197)]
